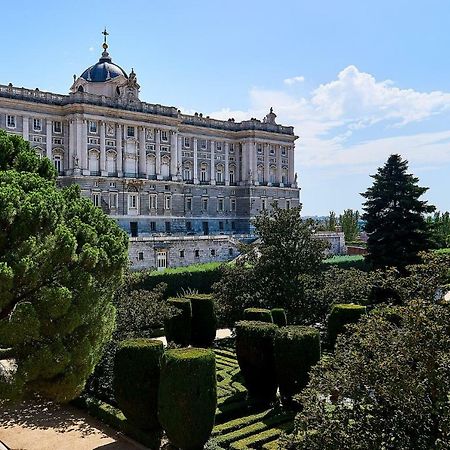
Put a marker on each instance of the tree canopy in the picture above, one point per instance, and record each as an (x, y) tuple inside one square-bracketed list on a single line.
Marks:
[(395, 216), (61, 260)]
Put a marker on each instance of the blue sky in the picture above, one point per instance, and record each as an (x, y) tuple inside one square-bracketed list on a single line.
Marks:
[(359, 80)]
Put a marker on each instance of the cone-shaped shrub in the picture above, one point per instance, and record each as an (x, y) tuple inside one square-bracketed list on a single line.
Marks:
[(204, 320), (254, 351), (279, 317), (178, 327), (187, 396), (341, 315), (136, 380), (296, 348), (258, 314)]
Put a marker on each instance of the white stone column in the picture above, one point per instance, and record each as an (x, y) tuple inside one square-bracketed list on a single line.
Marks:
[(266, 164), (244, 162), (279, 171), (158, 154), (103, 170), (213, 162), (26, 127), (179, 171), (119, 150), (72, 151), (237, 175), (173, 154), (253, 162), (48, 139), (195, 161), (291, 165), (84, 147), (142, 166), (227, 168)]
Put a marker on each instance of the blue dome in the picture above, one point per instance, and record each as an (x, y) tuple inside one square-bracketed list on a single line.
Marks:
[(104, 70)]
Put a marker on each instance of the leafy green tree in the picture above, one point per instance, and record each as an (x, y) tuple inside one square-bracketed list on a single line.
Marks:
[(439, 224), (349, 222), (386, 386), (61, 260), (394, 216), (331, 222)]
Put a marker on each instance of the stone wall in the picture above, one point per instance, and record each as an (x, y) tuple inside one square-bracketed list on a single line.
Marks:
[(336, 241)]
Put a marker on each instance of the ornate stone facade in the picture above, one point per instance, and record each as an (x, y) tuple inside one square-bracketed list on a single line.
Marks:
[(155, 170)]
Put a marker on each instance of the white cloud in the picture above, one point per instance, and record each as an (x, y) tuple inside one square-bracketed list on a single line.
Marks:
[(293, 80), (91, 49)]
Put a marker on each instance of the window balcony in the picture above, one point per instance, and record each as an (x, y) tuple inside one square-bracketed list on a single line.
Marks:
[(95, 173)]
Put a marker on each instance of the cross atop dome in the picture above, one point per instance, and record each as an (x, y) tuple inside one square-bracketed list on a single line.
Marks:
[(105, 44)]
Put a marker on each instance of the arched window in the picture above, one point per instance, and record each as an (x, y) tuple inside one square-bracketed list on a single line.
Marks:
[(273, 174), (165, 166), (80, 89), (187, 172), (58, 162), (261, 174), (111, 163), (94, 162), (40, 152), (231, 175), (219, 173), (151, 165), (284, 176), (204, 172)]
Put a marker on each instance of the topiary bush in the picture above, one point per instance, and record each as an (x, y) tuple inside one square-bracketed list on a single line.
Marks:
[(178, 327), (296, 349), (258, 314), (136, 380), (188, 396), (341, 315), (279, 317), (204, 320), (254, 351)]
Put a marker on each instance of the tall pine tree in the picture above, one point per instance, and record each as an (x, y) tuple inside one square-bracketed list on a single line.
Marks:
[(395, 216)]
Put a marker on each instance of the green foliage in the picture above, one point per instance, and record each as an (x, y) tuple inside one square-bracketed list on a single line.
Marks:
[(136, 380), (198, 277), (61, 259), (178, 327), (340, 316), (346, 262), (204, 320), (187, 396), (254, 351), (385, 387), (258, 314), (297, 349), (394, 216), (349, 223), (439, 224), (279, 317)]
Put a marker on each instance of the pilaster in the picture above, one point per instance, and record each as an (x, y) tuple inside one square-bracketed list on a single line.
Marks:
[(119, 150), (103, 170), (142, 166), (227, 164), (158, 154), (48, 139), (173, 155), (196, 161), (213, 163)]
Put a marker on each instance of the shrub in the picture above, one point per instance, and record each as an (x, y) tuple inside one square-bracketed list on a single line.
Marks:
[(178, 327), (136, 380), (279, 317), (188, 396), (204, 320), (254, 351), (341, 315), (258, 314), (296, 349)]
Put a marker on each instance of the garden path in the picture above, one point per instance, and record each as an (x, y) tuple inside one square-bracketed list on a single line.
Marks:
[(220, 334)]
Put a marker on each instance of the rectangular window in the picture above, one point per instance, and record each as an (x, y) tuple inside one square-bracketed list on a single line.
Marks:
[(220, 203), (11, 121), (132, 201), (141, 256), (168, 227), (188, 226), (197, 253), (233, 225), (181, 253), (167, 202), (230, 251), (204, 204), (219, 146), (263, 204), (113, 200), (161, 259), (96, 198), (152, 226), (164, 136), (130, 131), (153, 201), (283, 151), (112, 184), (57, 127), (92, 126), (233, 204), (57, 141), (220, 226), (203, 144), (213, 252), (188, 204), (288, 204), (134, 229), (37, 125), (259, 149), (272, 150), (186, 142)]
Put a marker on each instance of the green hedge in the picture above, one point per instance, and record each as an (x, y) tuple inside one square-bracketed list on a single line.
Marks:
[(199, 277), (341, 315), (178, 327), (296, 348), (204, 320), (279, 317), (347, 262), (188, 396), (136, 380), (258, 314), (254, 351)]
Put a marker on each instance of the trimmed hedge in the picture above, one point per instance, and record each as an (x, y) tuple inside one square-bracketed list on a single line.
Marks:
[(188, 396), (341, 315), (258, 314), (178, 327), (136, 380), (279, 317), (254, 351), (296, 349), (204, 320)]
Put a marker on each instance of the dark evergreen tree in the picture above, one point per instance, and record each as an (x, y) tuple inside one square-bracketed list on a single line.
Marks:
[(395, 216)]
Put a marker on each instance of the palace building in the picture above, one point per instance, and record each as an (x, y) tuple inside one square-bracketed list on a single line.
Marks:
[(153, 169)]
